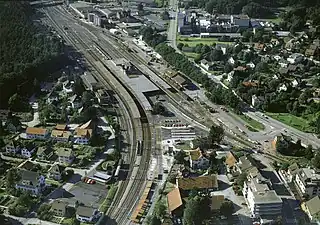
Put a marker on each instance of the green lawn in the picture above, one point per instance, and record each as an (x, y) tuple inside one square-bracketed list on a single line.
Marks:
[(255, 125), (293, 121), (193, 41), (191, 54)]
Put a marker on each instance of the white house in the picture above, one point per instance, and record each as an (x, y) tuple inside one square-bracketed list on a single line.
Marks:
[(52, 97), (27, 151), (12, 147), (67, 87), (76, 101), (283, 87), (277, 57), (37, 133), (251, 65), (307, 182), (294, 83), (255, 100), (87, 214), (31, 181), (230, 76), (295, 58), (206, 65), (231, 61), (198, 160)]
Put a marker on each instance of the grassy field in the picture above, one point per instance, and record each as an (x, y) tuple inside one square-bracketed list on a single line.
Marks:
[(193, 41), (293, 121), (255, 125), (191, 54)]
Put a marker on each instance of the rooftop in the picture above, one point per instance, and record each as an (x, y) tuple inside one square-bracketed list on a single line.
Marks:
[(314, 205), (61, 134), (85, 211), (266, 197), (64, 152), (59, 205), (216, 201), (174, 199), (61, 127), (36, 130), (198, 182)]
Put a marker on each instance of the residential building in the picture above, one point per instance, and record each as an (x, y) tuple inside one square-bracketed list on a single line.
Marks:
[(59, 208), (82, 136), (76, 101), (204, 183), (243, 21), (27, 151), (307, 182), (231, 61), (44, 153), (312, 209), (245, 163), (175, 203), (37, 133), (102, 96), (198, 160), (230, 76), (295, 58), (66, 155), (216, 202), (61, 127), (231, 162), (206, 65), (31, 181), (87, 214), (12, 124), (256, 100), (261, 201), (67, 87), (12, 147), (56, 171), (60, 135)]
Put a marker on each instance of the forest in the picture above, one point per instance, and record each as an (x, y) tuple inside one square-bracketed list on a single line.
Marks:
[(28, 51)]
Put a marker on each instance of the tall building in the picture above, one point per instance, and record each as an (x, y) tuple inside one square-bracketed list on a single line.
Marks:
[(307, 182)]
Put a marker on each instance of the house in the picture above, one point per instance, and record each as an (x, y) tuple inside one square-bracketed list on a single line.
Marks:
[(230, 76), (12, 147), (243, 21), (312, 209), (66, 155), (240, 69), (82, 136), (175, 203), (31, 181), (56, 171), (59, 208), (87, 214), (75, 101), (307, 182), (251, 65), (259, 46), (204, 183), (256, 100), (294, 83), (231, 161), (295, 58), (206, 65), (28, 150), (37, 133), (216, 202), (60, 135), (27, 165), (198, 160), (103, 96), (261, 200), (245, 163), (44, 153), (231, 61), (52, 97), (61, 127), (67, 87)]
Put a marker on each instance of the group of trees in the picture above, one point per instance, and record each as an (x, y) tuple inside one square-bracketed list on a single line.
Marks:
[(159, 213), (289, 148), (151, 36), (22, 204), (215, 136), (28, 53)]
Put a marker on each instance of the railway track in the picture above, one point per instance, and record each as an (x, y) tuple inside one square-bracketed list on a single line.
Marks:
[(120, 213)]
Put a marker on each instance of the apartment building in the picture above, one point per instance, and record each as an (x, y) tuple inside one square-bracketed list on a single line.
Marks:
[(262, 201), (307, 182), (31, 181)]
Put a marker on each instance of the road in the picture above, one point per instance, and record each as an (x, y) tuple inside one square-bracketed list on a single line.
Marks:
[(26, 221), (172, 30)]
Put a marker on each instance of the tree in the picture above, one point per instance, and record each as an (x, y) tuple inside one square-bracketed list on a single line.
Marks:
[(316, 161), (227, 208), (153, 220), (196, 211), (180, 46), (308, 152), (262, 67), (241, 179), (86, 99), (18, 104), (317, 125), (180, 157), (216, 134), (11, 179), (140, 6), (160, 210), (165, 16), (44, 212), (216, 55), (158, 108), (228, 68)]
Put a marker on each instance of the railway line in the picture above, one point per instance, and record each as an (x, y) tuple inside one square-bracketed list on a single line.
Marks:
[(136, 114)]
